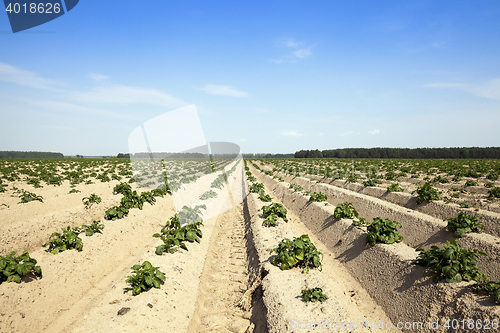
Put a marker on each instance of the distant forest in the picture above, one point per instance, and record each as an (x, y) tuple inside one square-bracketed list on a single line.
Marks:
[(29, 154), (406, 153)]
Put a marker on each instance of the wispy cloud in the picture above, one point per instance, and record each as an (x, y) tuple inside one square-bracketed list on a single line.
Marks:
[(375, 131), (214, 89), (126, 95), (291, 133), (298, 54), (489, 89), (78, 109), (21, 77), (98, 77)]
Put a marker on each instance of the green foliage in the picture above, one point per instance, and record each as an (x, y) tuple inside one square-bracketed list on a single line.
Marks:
[(490, 287), (264, 197), (296, 187), (3, 187), (122, 188), (463, 224), (487, 185), (116, 212), (361, 222), (426, 193), (145, 277), (208, 194), (440, 179), (74, 190), (300, 252), (394, 188), (345, 210), (494, 193), (91, 229), (271, 221), (383, 231), (470, 183), (93, 198), (34, 181), (276, 209), (188, 215), (465, 204), (69, 239), (256, 187), (452, 263), (493, 176), (318, 196), (313, 295), (173, 235), (371, 182), (352, 178), (26, 196), (12, 268)]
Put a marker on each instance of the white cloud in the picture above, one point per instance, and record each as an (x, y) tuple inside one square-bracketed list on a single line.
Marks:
[(214, 89), (291, 133), (125, 95), (21, 77), (98, 77), (243, 140), (288, 42), (79, 109), (375, 131), (302, 53), (489, 89)]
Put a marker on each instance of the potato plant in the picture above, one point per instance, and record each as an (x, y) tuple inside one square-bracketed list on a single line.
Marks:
[(451, 263), (464, 224), (263, 196), (90, 200), (494, 193), (345, 210), (69, 239), (314, 295), (13, 268), (276, 209), (145, 277), (91, 229), (208, 194), (394, 188), (300, 252), (318, 196), (426, 193), (173, 235), (26, 196), (383, 231)]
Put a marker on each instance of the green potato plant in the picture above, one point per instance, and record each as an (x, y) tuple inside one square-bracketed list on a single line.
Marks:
[(145, 277)]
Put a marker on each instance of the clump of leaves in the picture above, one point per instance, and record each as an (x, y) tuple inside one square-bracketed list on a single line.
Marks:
[(471, 183), (132, 200), (69, 239), (276, 209), (490, 287), (271, 221), (91, 229), (361, 222), (208, 194), (145, 277), (256, 187), (26, 196), (116, 212), (494, 193), (451, 263), (74, 190), (300, 252), (345, 210), (93, 198), (371, 182), (394, 188), (352, 178), (426, 193), (383, 231), (296, 187), (493, 176), (122, 188), (3, 188), (465, 204), (455, 195), (314, 295), (264, 197), (318, 196), (12, 268), (487, 185), (173, 234), (188, 215), (463, 224), (440, 179)]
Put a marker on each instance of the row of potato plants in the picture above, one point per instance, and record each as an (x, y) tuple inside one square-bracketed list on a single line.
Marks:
[(451, 263)]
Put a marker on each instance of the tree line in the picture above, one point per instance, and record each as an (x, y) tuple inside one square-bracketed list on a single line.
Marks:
[(29, 154), (405, 153)]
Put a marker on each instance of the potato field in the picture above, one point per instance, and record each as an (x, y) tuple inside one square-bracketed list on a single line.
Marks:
[(257, 245)]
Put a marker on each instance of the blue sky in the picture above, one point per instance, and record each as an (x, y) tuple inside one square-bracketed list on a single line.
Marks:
[(270, 76)]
